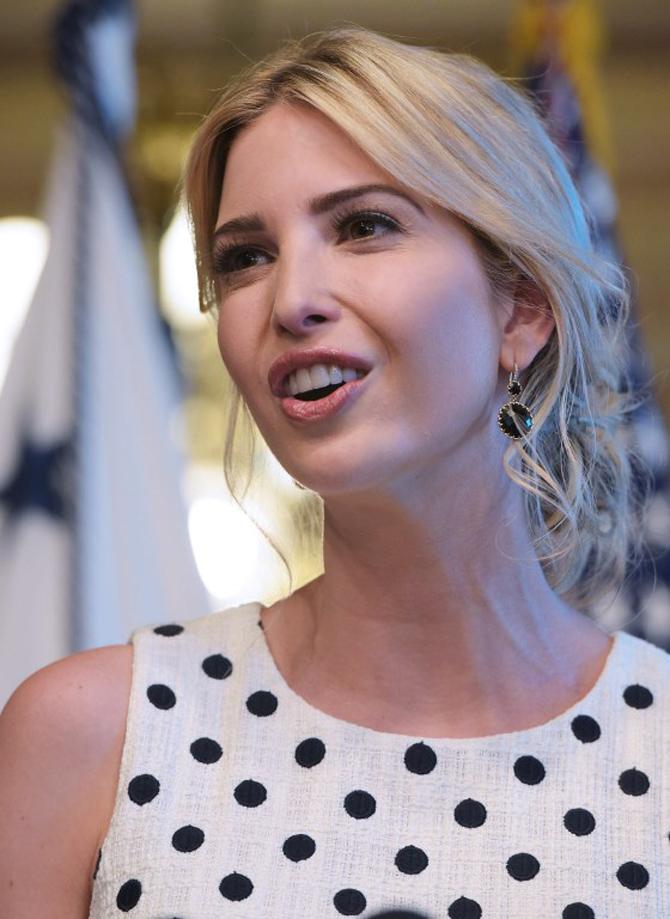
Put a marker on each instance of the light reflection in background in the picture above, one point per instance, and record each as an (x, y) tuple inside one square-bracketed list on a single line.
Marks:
[(178, 278), (235, 562), (225, 543), (23, 248)]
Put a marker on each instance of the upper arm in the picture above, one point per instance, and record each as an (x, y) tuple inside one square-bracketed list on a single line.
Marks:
[(61, 739)]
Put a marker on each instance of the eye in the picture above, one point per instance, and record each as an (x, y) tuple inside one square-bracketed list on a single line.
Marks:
[(234, 258), (366, 221)]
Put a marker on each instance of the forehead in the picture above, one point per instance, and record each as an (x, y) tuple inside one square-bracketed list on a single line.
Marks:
[(292, 149)]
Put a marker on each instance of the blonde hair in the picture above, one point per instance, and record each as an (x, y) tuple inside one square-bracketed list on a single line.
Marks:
[(448, 127)]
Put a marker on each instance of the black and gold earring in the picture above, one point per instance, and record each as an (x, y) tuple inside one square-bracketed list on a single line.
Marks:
[(514, 415)]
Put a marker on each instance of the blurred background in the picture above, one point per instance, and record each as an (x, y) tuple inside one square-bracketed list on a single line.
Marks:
[(95, 120)]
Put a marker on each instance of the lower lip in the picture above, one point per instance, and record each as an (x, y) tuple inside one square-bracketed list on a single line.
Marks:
[(323, 408)]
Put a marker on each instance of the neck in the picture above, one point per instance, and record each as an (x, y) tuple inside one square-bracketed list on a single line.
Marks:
[(427, 612)]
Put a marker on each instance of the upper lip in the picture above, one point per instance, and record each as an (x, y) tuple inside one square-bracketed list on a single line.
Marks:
[(284, 365)]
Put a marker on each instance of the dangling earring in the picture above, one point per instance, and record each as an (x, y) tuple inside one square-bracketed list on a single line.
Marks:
[(514, 411)]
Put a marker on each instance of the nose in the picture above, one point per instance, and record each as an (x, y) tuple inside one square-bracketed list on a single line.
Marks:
[(302, 297)]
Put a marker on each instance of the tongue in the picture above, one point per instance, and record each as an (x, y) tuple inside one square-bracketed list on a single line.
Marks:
[(314, 394)]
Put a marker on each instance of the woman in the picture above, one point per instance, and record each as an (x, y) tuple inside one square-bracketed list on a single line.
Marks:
[(410, 307)]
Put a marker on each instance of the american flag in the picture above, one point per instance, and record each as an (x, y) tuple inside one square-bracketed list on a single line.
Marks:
[(93, 532), (555, 48)]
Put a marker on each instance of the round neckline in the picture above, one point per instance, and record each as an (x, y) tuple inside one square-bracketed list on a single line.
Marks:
[(579, 707)]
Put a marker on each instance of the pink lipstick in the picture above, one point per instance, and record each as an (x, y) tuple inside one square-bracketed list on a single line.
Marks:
[(305, 411)]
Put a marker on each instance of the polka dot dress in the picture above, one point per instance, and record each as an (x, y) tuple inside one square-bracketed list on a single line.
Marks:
[(238, 799)]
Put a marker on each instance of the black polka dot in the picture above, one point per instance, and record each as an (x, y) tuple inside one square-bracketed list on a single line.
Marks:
[(633, 875), (529, 770), (236, 887), (217, 666), (349, 902), (310, 752), (169, 631), (360, 804), (634, 782), (638, 696), (188, 838), (97, 864), (129, 895), (585, 728), (250, 793), (411, 860), (262, 703), (420, 758), (464, 909), (161, 696), (143, 788), (522, 866), (578, 911), (206, 750), (299, 847), (579, 821), (470, 813)]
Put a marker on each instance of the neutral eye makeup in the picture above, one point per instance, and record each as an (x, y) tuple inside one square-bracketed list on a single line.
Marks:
[(233, 257)]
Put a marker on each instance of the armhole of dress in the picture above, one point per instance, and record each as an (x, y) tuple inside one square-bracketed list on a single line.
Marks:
[(132, 718), (104, 862)]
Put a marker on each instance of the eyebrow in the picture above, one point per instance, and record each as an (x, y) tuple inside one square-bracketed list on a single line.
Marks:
[(320, 205)]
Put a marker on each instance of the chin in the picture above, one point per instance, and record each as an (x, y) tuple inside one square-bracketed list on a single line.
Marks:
[(334, 481), (345, 465), (329, 487), (338, 482)]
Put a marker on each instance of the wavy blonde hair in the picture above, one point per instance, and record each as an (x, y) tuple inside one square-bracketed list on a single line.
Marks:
[(448, 127)]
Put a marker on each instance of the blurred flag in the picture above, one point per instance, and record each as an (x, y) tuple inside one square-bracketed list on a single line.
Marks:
[(93, 534), (555, 47)]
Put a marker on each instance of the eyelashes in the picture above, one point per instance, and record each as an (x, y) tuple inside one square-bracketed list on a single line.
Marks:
[(344, 218), (223, 260), (229, 259)]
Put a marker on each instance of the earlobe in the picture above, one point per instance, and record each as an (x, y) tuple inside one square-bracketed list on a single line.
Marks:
[(528, 328)]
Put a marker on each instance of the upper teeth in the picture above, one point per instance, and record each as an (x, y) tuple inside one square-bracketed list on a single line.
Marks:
[(318, 376)]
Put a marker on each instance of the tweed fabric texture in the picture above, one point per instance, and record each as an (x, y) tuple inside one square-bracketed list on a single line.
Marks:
[(237, 799)]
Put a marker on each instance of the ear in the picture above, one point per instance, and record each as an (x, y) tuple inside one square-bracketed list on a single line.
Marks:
[(529, 323)]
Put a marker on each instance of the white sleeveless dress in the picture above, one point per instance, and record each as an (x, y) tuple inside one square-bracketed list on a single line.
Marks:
[(239, 800)]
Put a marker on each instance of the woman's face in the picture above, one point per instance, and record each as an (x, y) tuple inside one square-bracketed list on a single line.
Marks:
[(404, 290)]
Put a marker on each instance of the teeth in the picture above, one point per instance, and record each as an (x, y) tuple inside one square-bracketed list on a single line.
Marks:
[(318, 376), (304, 381)]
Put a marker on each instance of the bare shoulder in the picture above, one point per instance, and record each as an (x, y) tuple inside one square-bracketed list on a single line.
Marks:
[(61, 740), (80, 677)]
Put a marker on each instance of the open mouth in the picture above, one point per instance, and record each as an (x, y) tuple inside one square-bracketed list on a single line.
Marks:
[(326, 400), (313, 395), (314, 385)]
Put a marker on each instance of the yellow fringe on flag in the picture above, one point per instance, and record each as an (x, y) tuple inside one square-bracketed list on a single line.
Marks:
[(572, 33)]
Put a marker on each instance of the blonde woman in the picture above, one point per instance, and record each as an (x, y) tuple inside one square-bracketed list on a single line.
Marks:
[(414, 319)]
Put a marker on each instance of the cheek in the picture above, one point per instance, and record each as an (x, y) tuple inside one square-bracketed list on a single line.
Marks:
[(239, 353), (222, 341), (232, 351), (445, 350), (442, 310)]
